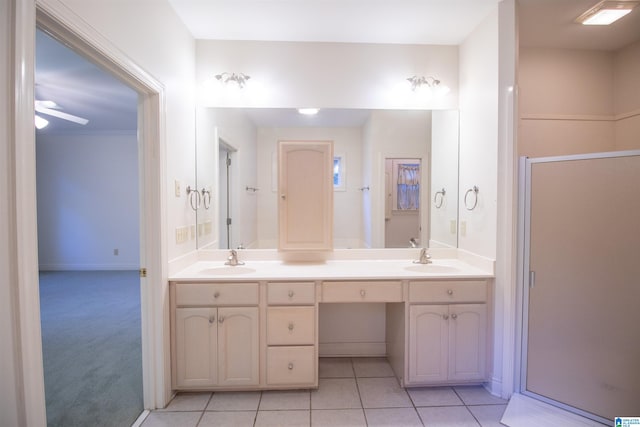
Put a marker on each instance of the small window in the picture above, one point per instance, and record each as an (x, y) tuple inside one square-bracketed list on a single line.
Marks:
[(339, 173)]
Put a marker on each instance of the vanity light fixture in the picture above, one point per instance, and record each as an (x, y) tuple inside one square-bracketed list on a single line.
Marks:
[(308, 111), (238, 78), (606, 12), (431, 83)]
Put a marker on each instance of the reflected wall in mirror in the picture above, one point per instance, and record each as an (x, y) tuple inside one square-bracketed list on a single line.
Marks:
[(363, 140)]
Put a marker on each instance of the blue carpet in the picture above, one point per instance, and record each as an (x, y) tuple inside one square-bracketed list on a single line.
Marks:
[(91, 343)]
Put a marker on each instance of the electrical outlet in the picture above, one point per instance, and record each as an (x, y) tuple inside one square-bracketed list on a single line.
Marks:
[(452, 226), (177, 187), (463, 228), (182, 234)]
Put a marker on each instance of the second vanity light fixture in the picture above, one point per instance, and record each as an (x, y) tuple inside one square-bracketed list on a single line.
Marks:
[(432, 83), (238, 78)]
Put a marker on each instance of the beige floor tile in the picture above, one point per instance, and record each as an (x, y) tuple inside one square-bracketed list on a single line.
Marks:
[(283, 419), (335, 367), (172, 419), (447, 416), (488, 415), (188, 402), (338, 417), (382, 393), (372, 367), (234, 401), (228, 419), (393, 417), (434, 396), (285, 400), (336, 393), (478, 395)]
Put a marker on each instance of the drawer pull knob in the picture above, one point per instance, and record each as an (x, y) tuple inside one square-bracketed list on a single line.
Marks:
[(450, 291), (290, 366), (216, 294), (220, 319), (363, 293), (291, 326), (212, 319), (454, 316), (445, 316), (291, 294)]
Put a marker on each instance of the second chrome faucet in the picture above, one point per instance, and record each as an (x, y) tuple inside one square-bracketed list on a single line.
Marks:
[(232, 259), (425, 258)]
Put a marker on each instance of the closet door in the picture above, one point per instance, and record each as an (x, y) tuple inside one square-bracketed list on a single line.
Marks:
[(305, 193), (582, 342)]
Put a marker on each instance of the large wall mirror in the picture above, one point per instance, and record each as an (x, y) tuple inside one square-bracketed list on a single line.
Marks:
[(395, 175)]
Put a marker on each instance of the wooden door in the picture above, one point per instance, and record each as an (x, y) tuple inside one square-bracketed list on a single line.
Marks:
[(428, 343), (196, 347), (238, 346), (467, 341)]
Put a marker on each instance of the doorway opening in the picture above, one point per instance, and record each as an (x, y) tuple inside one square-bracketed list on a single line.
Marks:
[(226, 155), (88, 199), (402, 202)]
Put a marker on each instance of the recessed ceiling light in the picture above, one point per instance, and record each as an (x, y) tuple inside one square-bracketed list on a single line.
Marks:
[(308, 111), (606, 12)]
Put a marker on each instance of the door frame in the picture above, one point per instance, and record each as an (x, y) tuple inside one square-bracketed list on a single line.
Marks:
[(57, 19)]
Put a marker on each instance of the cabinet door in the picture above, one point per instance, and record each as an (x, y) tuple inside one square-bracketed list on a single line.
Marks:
[(305, 185), (196, 347), (467, 341), (238, 346), (428, 343)]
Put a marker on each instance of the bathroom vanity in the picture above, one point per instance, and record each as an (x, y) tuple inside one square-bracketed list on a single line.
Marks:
[(255, 326)]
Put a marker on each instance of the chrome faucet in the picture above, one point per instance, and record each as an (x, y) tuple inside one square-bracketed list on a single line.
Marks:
[(413, 243), (425, 258), (233, 258)]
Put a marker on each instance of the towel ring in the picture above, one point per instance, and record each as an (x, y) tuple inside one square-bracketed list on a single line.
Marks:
[(473, 190), (435, 198), (206, 198), (194, 196)]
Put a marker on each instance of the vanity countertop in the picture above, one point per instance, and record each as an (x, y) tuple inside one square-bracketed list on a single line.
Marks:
[(403, 269)]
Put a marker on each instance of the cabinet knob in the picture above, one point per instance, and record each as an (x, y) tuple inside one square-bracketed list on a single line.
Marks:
[(290, 366), (454, 316), (283, 196), (216, 294), (363, 293), (291, 294), (220, 319), (450, 292), (445, 316), (291, 326), (212, 319)]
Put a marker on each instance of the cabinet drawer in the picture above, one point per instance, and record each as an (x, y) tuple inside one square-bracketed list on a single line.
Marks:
[(207, 294), (291, 365), (291, 325), (448, 291), (298, 293), (362, 291)]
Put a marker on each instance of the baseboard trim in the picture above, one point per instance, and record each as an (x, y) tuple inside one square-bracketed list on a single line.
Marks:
[(143, 416), (356, 349)]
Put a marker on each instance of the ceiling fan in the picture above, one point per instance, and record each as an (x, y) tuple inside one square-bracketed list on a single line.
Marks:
[(51, 108)]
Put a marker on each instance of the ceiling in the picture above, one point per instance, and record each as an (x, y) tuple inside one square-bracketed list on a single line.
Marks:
[(81, 88)]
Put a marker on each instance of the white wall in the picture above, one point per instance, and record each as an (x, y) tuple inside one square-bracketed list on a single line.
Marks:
[(88, 201), (626, 72), (10, 392), (156, 40), (329, 75), (479, 137), (347, 221)]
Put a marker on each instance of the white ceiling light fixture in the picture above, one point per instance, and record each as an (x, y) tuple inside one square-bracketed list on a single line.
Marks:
[(308, 111), (606, 12), (238, 78), (50, 108)]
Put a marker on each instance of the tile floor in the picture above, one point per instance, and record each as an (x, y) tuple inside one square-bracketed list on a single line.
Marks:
[(352, 392)]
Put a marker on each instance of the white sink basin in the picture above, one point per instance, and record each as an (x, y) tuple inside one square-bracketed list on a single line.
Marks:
[(432, 268), (226, 270)]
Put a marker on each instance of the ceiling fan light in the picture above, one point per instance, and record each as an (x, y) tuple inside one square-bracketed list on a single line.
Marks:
[(41, 123), (606, 12)]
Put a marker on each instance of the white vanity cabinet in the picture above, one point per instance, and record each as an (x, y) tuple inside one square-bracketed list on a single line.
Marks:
[(215, 335), (291, 334), (305, 195), (447, 340)]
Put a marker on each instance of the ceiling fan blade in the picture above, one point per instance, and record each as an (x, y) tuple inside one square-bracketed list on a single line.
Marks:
[(61, 115)]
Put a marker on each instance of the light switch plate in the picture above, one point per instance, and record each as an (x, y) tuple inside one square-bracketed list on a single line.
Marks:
[(177, 188), (463, 228)]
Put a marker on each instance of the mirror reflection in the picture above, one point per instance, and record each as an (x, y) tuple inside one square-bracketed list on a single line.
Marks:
[(395, 175)]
